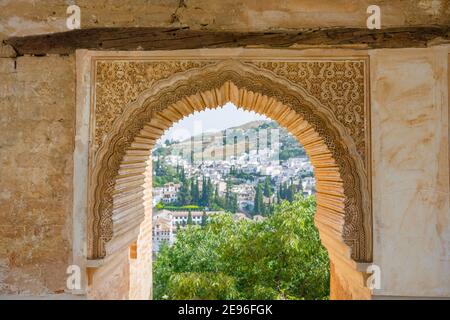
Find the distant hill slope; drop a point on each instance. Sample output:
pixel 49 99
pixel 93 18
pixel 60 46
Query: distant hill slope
pixel 212 142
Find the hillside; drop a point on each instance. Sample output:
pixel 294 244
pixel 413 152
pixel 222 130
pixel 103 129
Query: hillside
pixel 212 143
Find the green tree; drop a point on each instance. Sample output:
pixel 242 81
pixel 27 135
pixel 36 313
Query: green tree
pixel 218 200
pixel 194 191
pixel 234 207
pixel 181 173
pixel 258 207
pixel 267 188
pixel 279 194
pixel 204 197
pixel 284 191
pixel 201 286
pixel 300 186
pixel 209 193
pixel 158 167
pixel 163 173
pixel 184 195
pixel 280 257
pixel 204 219
pixel 228 195
pixel 291 191
pixel 189 221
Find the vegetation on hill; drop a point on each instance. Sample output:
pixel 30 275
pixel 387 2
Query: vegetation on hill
pixel 163 173
pixel 213 142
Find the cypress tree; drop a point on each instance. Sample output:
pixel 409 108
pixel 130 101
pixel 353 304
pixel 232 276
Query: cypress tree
pixel 267 188
pixel 158 167
pixel 291 193
pixel 209 193
pixel 234 204
pixel 220 201
pixel 258 202
pixel 284 192
pixel 204 219
pixel 181 174
pixel 279 194
pixel 184 194
pixel 194 191
pixel 228 195
pixel 300 185
pixel 204 197
pixel 189 219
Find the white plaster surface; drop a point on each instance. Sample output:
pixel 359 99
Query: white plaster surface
pixel 410 171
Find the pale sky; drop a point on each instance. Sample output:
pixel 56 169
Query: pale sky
pixel 210 121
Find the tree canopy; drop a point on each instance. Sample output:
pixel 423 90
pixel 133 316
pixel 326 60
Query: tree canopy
pixel 280 257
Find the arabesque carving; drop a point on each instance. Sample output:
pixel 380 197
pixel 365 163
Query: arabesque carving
pixel 120 82
pixel 338 85
pixel 323 103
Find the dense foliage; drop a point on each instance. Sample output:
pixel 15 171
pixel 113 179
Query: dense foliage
pixel 163 173
pixel 280 257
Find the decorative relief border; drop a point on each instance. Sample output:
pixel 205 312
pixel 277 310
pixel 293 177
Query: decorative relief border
pixel 340 85
pixel 337 85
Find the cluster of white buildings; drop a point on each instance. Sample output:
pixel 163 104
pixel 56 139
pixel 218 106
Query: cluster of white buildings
pixel 294 170
pixel 162 231
pixel 245 196
pixel 167 194
pixel 256 163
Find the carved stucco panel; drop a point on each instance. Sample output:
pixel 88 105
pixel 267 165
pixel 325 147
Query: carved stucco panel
pixel 118 83
pixel 337 85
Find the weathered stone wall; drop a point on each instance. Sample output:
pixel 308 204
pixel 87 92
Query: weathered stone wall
pixel 26 17
pixel 37 98
pixel 410 150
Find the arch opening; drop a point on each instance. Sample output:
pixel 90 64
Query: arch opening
pixel 218 176
pixel 121 203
